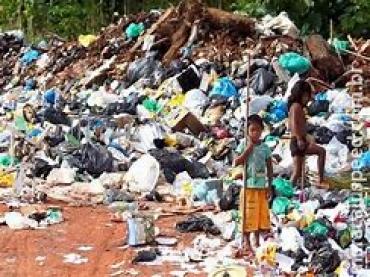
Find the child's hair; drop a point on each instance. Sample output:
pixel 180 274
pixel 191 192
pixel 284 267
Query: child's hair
pixel 255 119
pixel 299 89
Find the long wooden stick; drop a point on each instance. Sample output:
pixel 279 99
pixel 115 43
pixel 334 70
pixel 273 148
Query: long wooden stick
pixel 245 174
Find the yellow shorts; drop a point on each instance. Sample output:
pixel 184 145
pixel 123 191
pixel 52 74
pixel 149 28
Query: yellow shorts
pixel 256 212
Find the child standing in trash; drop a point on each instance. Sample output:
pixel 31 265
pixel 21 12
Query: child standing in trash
pixel 300 145
pixel 256 159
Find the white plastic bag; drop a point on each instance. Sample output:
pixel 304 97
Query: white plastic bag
pixel 61 176
pixel 143 174
pixel 259 103
pixel 341 101
pixel 337 158
pixel 195 101
pixel 181 179
pixel 290 239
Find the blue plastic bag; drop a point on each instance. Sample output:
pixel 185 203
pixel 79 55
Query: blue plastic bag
pixel 277 111
pixel 51 96
pixel 321 96
pixel 294 62
pixel 30 56
pixel 200 191
pixel 363 162
pixel 34 133
pixel 224 87
pixel 30 84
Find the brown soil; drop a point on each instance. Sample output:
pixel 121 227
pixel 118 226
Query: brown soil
pixel 82 226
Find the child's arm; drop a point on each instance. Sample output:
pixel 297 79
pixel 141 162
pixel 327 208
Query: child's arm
pixel 244 156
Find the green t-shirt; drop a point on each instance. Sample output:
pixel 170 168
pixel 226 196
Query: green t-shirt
pixel 255 170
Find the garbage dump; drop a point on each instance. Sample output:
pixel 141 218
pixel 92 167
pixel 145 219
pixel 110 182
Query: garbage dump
pixel 153 110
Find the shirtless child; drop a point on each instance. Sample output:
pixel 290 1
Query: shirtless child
pixel 299 145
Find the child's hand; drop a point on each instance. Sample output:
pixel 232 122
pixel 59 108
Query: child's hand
pixel 268 193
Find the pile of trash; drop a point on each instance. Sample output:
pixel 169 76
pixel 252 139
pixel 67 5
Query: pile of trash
pixel 153 109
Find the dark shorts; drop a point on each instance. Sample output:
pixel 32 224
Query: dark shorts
pixel 295 150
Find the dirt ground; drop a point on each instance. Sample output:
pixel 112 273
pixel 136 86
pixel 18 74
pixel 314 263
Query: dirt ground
pixel 83 226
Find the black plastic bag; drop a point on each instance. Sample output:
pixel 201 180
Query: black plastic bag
pixel 313 242
pixel 345 137
pixel 142 68
pixel 145 256
pixel 188 79
pixel 262 80
pixel 328 204
pixel 323 135
pixel 230 198
pixel 41 168
pixel 56 116
pixel 173 163
pixel 96 159
pixel 325 260
pixel 318 106
pixel 197 170
pixel 198 224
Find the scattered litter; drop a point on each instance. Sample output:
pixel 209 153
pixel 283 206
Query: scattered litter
pixel 74 258
pixel 85 248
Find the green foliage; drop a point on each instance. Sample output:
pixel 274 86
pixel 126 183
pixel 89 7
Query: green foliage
pixel 348 16
pixel 69 18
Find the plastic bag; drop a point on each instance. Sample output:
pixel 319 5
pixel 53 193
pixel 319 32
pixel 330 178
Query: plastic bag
pixel 322 135
pixel 283 187
pixel 318 106
pixel 317 228
pixel 325 260
pixel 56 116
pixel 224 87
pixel 7 160
pixel 189 79
pixel 363 162
pixel 30 56
pixel 280 205
pixel 143 174
pixel 173 163
pixel 230 198
pixel 294 62
pixel 282 23
pixel 262 80
pixel 142 68
pixel 259 103
pixel 337 156
pixel 198 224
pixel 51 96
pixel 277 111
pixel 61 176
pixel 341 45
pixel 86 40
pixel 152 105
pixel 344 238
pixel 134 30
pixel 182 181
pixel 96 159
pixel 195 101
pixel 6 179
pixel 341 101
pixel 290 238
